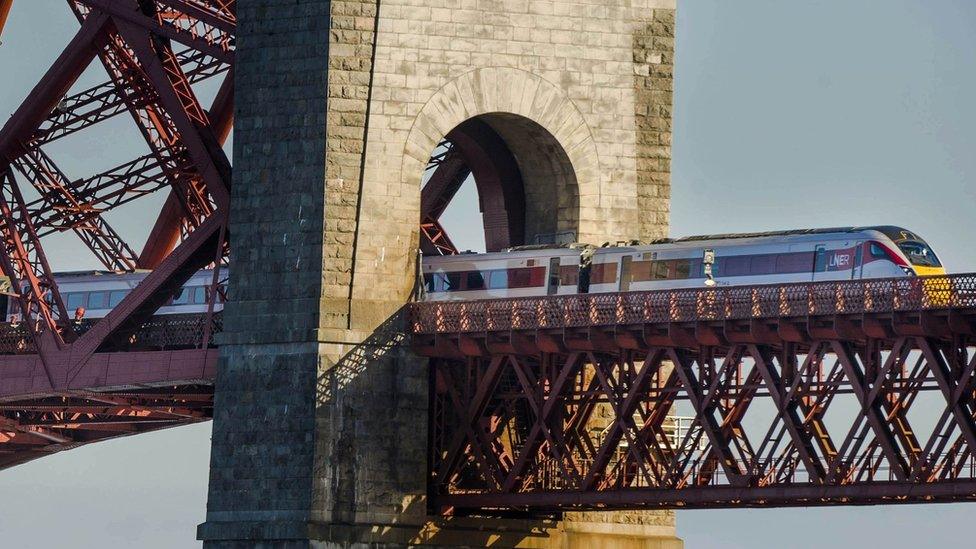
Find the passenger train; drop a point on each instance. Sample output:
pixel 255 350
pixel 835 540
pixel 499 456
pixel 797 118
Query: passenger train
pixel 93 294
pixel 693 262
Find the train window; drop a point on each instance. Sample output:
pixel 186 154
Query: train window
pixel 682 269
pixel 603 273
pixel 498 280
pixel 451 282
pixel 736 265
pixel 116 297
pixel 800 262
pixel 75 300
pixel 762 265
pixel 98 300
pixel 534 277
pixel 200 295
pixel 443 282
pixel 474 281
pixel 569 275
pixel 660 270
pixel 877 252
pixel 640 271
pixel 820 262
pixel 919 254
pixel 181 296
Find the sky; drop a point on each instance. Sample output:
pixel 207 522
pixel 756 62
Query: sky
pixel 787 115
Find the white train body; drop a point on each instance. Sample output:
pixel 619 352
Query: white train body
pixel 98 292
pixel 520 273
pixel 734 260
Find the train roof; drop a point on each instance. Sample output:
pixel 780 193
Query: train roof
pixel 76 274
pixel 522 252
pixel 98 274
pixel 891 231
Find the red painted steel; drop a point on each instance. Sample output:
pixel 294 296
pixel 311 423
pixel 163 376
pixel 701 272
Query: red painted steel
pixel 474 149
pixel 808 394
pixel 501 195
pixel 717 304
pixel 35 427
pixel 154 53
pixel 803 394
pixel 5 6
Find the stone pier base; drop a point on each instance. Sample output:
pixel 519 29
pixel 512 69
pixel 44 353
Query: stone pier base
pixel 576 531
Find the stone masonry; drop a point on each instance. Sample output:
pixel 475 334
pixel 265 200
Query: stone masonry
pixel 320 414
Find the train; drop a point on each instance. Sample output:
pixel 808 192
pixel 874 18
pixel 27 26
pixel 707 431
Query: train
pixel 93 294
pixel 779 257
pixel 698 261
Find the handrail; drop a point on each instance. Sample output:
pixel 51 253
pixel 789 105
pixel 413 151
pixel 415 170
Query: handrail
pixel 696 304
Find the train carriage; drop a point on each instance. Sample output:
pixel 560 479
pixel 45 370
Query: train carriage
pixel 531 271
pixel 93 294
pixel 781 257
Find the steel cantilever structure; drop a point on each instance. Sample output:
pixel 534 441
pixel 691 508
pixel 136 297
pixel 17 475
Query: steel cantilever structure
pixel 806 394
pixel 64 383
pixel 70 383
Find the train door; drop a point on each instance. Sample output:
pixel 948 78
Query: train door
pixel 819 262
pixel 553 285
pixel 626 268
pixel 858 269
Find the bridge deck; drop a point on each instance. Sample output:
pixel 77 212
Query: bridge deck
pixel 161 377
pixel 803 394
pixel 870 300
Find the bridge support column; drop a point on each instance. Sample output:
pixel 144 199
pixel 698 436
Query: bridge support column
pixel 320 422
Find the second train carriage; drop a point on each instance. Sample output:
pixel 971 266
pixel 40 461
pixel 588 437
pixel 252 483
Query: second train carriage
pixel 724 260
pixel 93 294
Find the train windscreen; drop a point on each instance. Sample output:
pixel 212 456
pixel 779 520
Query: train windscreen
pixel 919 253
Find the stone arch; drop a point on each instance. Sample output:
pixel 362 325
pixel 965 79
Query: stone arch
pixel 543 129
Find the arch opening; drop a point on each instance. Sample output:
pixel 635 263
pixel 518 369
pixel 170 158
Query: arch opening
pixel 526 185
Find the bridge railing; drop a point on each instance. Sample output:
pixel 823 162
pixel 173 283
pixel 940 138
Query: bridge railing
pixel 185 331
pixel 697 304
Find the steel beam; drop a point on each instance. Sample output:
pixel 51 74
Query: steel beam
pixel 628 461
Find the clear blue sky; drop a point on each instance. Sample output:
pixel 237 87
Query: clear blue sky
pixel 788 114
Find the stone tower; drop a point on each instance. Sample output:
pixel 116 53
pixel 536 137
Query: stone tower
pixel 320 413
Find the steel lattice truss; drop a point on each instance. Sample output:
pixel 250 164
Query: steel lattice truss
pixel 869 397
pixel 153 52
pixel 34 427
pixel 445 173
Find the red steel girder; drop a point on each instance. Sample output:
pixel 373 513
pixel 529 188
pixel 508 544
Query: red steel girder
pixel 193 23
pixel 4 12
pixel 74 365
pixel 102 102
pixel 447 171
pixel 58 195
pixel 35 427
pixel 790 463
pixel 474 148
